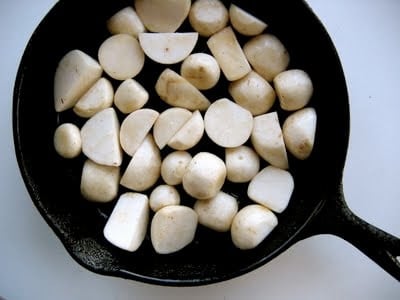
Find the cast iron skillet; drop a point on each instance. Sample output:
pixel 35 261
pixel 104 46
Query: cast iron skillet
pixel 317 205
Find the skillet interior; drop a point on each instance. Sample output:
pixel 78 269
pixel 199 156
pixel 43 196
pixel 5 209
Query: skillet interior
pixel 53 182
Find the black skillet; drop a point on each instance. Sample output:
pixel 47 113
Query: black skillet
pixel 317 205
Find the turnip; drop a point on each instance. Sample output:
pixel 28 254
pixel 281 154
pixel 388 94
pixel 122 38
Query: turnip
pixel 174 165
pixel 208 16
pixel 204 176
pixel 99 183
pixel 267 55
pixel 144 168
pixel 126 21
pixel 130 96
pixel 251 225
pixel 173 227
pixel 168 47
pixel 100 138
pixel 97 98
pixel 244 22
pixel 67 140
pixel 127 225
pixel 121 56
pixel 75 74
pixel 228 124
pixel 177 91
pixel 217 212
pixel 271 187
pixel 162 15
pixel 226 49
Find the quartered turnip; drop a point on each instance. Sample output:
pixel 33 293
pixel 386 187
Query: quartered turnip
pixel 272 187
pixel 299 132
pixel 244 22
pixel 130 96
pixel 75 74
pixel 172 228
pixel 177 91
pixel 127 225
pixel 168 47
pixel 226 49
pixel 144 169
pixel 99 183
pixel 97 98
pixel 189 134
pixel 208 16
pixel 251 225
pixel 267 140
pixel 135 127
pixel 125 21
pixel 168 124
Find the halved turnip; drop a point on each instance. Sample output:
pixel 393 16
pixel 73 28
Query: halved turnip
pixel 126 21
pixel 174 165
pixel 97 98
pixel 99 183
pixel 135 127
pixel 267 140
pixel 244 22
pixel 228 124
pixel 168 124
pixel 253 93
pixel 172 228
pixel 201 70
pixel 177 91
pixel 144 168
pixel 162 15
pixel 272 187
pixel 121 56
pixel 67 140
pixel 267 55
pixel 251 225
pixel 208 16
pixel 75 74
pixel 299 132
pixel 127 225
pixel 226 49
pixel 217 212
pixel 100 138
pixel 189 134
pixel 130 96
pixel 204 176
pixel 168 47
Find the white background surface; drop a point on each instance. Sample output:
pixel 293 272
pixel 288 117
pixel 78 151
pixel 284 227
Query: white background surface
pixel 34 264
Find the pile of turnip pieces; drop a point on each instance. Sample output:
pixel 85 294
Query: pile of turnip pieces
pixel 242 124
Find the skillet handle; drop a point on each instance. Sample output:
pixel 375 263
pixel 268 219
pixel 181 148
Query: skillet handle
pixel 335 217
